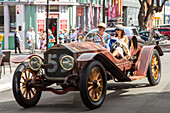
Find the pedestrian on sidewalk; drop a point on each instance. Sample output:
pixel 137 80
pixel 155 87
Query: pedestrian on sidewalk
pixel 29 38
pixel 66 36
pixel 61 37
pixel 80 35
pixel 50 38
pixel 42 38
pixel 33 40
pixel 87 30
pixel 17 39
pixel 73 36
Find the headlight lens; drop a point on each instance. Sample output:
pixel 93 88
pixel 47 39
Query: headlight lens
pixel 35 63
pixel 67 62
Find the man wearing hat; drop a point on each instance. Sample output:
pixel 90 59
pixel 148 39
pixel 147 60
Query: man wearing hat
pixel 31 39
pixel 17 41
pixel 105 36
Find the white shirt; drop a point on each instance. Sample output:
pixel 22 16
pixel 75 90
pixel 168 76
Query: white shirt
pixel 29 35
pixel 73 36
pixel 33 36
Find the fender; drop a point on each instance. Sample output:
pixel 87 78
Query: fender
pixel 22 58
pixel 143 61
pixel 107 63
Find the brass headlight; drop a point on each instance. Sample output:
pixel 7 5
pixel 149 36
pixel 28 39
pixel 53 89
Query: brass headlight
pixel 35 63
pixel 67 62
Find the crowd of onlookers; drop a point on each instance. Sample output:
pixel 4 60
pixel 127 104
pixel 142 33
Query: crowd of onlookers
pixel 64 36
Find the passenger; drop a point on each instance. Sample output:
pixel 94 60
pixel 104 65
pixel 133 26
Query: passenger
pixel 105 36
pixel 122 41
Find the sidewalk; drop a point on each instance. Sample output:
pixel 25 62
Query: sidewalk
pixel 6 80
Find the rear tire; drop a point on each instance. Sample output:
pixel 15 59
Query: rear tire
pixel 154 69
pixel 93 84
pixel 24 95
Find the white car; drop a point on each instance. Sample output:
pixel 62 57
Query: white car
pixel 111 31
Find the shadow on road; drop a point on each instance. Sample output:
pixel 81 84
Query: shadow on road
pixel 115 101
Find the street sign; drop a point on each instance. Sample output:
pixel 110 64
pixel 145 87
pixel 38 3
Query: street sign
pixel 63 24
pixel 80 11
pixel 40 24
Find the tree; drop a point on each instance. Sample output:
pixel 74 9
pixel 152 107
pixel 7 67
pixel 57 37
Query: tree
pixel 152 6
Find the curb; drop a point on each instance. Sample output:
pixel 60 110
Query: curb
pixel 6 86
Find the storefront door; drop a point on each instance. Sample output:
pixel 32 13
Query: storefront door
pixel 52 23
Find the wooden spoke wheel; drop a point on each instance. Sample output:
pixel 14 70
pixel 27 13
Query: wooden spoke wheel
pixel 24 93
pixel 93 84
pixel 27 91
pixel 154 69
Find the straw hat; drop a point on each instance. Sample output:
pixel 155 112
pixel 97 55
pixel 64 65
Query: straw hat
pixel 101 24
pixel 119 28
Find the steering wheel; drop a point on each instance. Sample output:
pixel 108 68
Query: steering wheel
pixel 93 37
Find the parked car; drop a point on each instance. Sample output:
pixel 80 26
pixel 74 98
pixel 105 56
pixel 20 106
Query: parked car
pixel 132 31
pixel 164 31
pixel 145 35
pixel 84 67
pixel 159 39
pixel 163 26
pixel 139 28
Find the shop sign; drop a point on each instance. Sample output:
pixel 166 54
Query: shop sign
pixel 63 24
pixel 156 17
pixel 80 11
pixel 40 24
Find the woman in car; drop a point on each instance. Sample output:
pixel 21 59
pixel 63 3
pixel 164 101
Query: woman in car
pixel 122 41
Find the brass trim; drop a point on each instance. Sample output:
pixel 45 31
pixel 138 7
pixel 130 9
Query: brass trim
pixel 72 59
pixel 40 61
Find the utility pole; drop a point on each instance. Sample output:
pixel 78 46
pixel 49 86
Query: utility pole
pixel 104 11
pixel 47 25
pixel 164 14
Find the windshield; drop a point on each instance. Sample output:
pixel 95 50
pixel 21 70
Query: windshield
pixel 131 32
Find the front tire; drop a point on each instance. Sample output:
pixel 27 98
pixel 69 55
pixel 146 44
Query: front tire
pixel 154 69
pixel 93 84
pixel 25 95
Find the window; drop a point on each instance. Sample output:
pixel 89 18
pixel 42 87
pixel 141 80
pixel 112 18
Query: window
pixel 1 19
pixel 52 8
pixel 12 12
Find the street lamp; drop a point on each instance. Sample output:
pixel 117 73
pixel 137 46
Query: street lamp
pixel 47 25
pixel 104 11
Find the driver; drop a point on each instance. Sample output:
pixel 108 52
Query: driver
pixel 105 36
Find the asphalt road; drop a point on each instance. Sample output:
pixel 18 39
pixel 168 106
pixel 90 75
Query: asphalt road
pixel 133 97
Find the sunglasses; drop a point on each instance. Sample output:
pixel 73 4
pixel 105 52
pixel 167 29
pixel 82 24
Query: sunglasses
pixel 100 27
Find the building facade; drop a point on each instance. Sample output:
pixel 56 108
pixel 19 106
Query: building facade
pixel 24 14
pixel 167 13
pixel 130 12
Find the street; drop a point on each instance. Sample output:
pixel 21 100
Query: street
pixel 133 97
